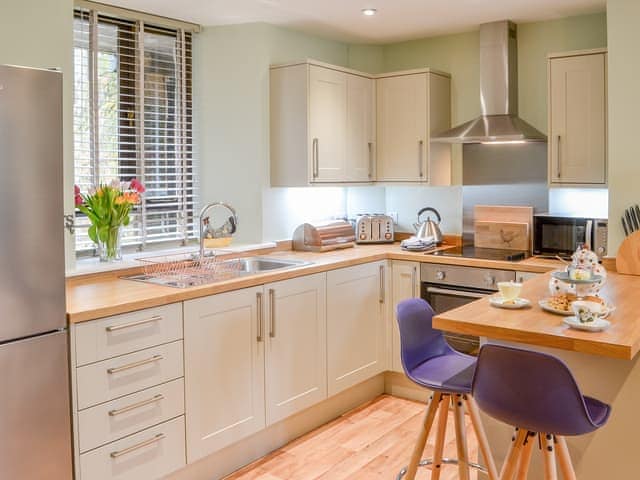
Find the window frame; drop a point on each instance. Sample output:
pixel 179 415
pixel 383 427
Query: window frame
pixel 132 134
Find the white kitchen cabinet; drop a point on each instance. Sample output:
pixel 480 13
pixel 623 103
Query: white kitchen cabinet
pixel 405 283
pixel 356 324
pixel 578 118
pixel 322 122
pixel 224 370
pixel 410 108
pixel 295 343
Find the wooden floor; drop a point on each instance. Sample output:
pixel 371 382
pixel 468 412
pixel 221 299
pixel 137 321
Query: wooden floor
pixel 372 442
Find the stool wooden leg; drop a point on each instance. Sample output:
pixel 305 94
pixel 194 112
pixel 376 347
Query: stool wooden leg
pixel 562 452
pixel 422 437
pixel 483 442
pixel 441 429
pixel 461 438
pixel 525 456
pixel 511 460
pixel 549 457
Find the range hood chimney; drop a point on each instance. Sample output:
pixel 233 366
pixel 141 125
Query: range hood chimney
pixel 499 122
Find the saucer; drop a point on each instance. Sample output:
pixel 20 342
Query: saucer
pixel 510 304
pixel 598 325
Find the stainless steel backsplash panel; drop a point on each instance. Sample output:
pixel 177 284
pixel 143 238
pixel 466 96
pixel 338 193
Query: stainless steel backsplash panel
pixel 503 175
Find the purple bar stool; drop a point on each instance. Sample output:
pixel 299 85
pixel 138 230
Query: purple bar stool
pixel 537 394
pixel 429 361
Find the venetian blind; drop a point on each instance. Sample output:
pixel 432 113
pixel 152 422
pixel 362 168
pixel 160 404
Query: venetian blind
pixel 133 119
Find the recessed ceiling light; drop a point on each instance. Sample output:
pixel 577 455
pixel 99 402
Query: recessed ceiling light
pixel 369 12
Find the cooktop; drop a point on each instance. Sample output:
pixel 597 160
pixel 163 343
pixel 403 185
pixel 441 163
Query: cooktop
pixel 470 251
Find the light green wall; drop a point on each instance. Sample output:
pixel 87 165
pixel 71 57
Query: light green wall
pixel 535 41
pixel 38 33
pixel 366 58
pixel 624 104
pixel 459 56
pixel 231 73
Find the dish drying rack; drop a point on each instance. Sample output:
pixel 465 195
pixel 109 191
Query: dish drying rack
pixel 189 270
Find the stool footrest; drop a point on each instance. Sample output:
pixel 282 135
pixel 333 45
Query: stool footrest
pixel 446 461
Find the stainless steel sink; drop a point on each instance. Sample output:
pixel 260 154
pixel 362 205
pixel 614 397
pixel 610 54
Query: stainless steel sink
pixel 252 265
pixel 187 272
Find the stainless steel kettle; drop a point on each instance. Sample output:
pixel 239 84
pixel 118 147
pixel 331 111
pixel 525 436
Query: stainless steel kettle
pixel 429 228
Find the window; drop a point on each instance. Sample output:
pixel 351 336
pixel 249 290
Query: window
pixel 133 118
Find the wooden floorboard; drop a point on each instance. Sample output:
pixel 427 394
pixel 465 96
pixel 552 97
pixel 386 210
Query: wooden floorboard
pixel 372 442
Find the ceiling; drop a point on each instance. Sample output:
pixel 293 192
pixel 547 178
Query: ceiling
pixel 342 20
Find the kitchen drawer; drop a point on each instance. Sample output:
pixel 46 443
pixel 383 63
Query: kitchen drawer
pixel 112 336
pixel 116 377
pixel 121 417
pixel 150 454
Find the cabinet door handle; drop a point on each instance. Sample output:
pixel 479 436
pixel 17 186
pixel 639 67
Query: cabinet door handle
pixel 139 363
pixel 414 277
pixel 137 446
pixel 122 326
pixel 558 173
pixel 133 406
pixel 260 319
pixel 315 157
pixel 370 146
pixel 381 297
pixel 420 151
pixel 272 313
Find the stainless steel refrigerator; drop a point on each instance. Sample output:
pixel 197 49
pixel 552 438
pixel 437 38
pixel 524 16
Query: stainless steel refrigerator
pixel 35 424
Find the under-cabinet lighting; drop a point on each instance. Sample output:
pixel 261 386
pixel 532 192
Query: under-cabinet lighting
pixel 504 142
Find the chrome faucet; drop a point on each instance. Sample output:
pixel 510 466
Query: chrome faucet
pixel 226 230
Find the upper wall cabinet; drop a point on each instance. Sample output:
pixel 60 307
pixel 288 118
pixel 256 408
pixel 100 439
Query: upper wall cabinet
pixel 322 125
pixel 578 118
pixel 410 107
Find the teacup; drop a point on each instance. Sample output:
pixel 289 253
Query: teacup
pixel 587 311
pixel 509 290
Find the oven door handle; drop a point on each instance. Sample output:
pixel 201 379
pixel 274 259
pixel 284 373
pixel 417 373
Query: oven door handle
pixel 457 293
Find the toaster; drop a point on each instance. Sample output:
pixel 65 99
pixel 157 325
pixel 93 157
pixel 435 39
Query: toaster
pixel 374 228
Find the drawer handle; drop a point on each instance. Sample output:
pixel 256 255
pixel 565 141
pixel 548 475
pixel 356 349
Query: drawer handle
pixel 139 363
pixel 115 328
pixel 156 398
pixel 137 446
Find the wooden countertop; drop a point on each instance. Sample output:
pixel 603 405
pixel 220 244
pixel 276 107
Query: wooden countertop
pixel 95 296
pixel 534 326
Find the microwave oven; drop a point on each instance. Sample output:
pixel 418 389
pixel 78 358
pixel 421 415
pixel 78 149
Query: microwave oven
pixel 555 235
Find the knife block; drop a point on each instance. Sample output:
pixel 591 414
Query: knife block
pixel 628 256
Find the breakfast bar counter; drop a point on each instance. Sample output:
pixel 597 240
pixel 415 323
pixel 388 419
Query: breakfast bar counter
pixel 605 365
pixel 534 326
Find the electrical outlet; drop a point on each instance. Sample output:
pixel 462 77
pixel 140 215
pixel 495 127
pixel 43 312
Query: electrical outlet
pixel 394 216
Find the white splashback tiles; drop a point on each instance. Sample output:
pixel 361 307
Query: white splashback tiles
pixel 580 202
pixel 283 209
pixel 408 200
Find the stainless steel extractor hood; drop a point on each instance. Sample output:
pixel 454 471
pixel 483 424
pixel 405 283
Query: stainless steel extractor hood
pixel 499 122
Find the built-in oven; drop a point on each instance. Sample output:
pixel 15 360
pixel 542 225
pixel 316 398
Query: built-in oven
pixel 556 235
pixel 446 287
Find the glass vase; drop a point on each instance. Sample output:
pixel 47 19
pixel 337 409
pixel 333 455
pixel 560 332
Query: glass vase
pixel 110 249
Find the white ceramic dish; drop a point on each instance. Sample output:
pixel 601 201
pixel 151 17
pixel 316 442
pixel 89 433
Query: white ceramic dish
pixel 509 304
pixel 598 325
pixel 544 304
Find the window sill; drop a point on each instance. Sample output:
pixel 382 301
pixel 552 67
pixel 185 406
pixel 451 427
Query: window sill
pixel 87 266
